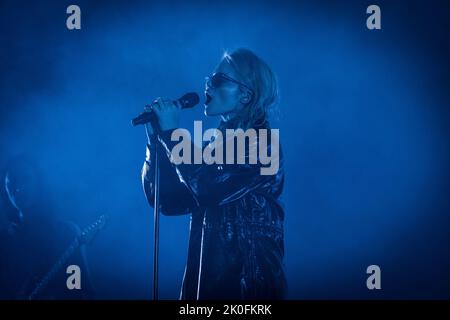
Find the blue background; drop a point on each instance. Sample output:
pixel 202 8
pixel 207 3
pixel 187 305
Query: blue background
pixel 363 118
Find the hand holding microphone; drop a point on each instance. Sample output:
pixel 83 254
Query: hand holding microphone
pixel 167 112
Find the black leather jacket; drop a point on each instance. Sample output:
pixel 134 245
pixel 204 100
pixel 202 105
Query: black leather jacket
pixel 236 243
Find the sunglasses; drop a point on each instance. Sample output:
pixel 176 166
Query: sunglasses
pixel 219 79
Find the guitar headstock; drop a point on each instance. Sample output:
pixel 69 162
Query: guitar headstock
pixel 91 231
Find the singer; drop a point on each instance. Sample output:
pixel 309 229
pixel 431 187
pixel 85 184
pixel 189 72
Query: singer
pixel 236 243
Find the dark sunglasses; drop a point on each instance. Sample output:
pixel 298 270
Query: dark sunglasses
pixel 218 79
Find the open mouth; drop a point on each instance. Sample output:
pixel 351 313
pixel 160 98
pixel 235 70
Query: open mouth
pixel 208 98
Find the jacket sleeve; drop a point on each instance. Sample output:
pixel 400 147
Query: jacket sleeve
pixel 217 184
pixel 174 197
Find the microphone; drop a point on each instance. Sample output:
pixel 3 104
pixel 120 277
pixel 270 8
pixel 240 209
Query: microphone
pixel 189 100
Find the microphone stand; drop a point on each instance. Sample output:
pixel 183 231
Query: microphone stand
pixel 186 101
pixel 156 129
pixel 156 227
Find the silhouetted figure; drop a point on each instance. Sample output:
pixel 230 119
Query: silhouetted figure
pixel 34 240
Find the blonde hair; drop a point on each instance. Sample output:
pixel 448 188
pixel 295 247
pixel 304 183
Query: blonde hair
pixel 256 74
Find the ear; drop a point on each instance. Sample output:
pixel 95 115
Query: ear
pixel 245 97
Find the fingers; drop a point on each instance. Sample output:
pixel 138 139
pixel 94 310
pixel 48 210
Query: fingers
pixel 162 105
pixel 167 113
pixel 165 103
pixel 156 105
pixel 148 108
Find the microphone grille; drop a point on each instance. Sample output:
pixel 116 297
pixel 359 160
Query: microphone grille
pixel 189 100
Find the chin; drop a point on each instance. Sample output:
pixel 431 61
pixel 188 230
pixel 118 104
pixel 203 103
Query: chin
pixel 209 111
